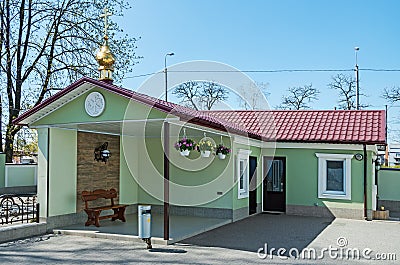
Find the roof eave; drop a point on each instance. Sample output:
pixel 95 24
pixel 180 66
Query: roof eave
pixel 377 142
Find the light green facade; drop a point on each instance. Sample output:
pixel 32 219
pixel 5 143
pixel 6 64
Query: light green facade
pixel 62 171
pixel 195 181
pixel 389 184
pixel 42 173
pixel 128 189
pixel 57 171
pixel 188 187
pixel 74 111
pixel 117 109
pixel 302 179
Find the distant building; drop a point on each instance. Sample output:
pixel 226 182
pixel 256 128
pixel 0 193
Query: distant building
pixel 394 154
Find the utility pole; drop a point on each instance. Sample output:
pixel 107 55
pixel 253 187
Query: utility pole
pixel 387 145
pixel 356 49
pixel 166 76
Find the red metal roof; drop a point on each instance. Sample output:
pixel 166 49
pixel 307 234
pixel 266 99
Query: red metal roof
pixel 328 126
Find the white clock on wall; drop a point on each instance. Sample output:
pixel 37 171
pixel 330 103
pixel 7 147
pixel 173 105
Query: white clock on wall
pixel 95 104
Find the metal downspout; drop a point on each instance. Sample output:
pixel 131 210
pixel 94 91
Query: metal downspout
pixel 365 181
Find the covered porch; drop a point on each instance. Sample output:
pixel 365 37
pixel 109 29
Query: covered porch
pixel 181 227
pixel 144 168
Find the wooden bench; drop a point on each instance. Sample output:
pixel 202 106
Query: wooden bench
pixel 94 212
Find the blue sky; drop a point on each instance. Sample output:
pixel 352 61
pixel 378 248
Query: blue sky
pixel 270 35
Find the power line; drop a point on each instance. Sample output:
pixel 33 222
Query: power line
pixel 380 70
pixel 143 75
pixel 265 71
pixel 262 71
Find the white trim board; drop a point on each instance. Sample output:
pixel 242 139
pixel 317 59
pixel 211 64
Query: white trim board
pixel 358 147
pixel 247 141
pixel 243 155
pixel 53 106
pixel 286 145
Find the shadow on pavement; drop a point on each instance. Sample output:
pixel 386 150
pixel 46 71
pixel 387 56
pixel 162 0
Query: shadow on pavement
pixel 250 234
pixel 168 250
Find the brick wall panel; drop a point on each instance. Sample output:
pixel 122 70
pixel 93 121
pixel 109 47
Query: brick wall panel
pixel 96 175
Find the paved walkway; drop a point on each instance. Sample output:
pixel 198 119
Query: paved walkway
pixel 235 243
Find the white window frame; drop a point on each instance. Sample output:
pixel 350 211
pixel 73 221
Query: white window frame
pixel 243 155
pixel 323 193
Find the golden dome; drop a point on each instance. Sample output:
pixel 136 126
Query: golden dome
pixel 106 61
pixel 104 57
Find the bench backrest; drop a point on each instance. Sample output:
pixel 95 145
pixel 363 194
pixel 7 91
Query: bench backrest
pixel 97 194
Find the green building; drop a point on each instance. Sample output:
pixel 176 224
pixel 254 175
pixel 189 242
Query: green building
pixel 315 163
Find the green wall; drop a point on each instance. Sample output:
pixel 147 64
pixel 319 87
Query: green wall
pixel 63 171
pixel 117 108
pixel 198 181
pixel 2 169
pixel 302 178
pixel 21 175
pixel 389 184
pixel 195 181
pixel 42 170
pixel 128 187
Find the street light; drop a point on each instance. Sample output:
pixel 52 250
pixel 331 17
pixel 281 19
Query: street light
pixel 356 49
pixel 165 71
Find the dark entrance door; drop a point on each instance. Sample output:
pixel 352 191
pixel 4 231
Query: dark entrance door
pixel 274 197
pixel 252 185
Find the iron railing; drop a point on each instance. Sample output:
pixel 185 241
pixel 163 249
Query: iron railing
pixel 18 208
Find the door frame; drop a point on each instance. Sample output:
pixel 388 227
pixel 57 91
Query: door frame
pixel 262 180
pixel 255 175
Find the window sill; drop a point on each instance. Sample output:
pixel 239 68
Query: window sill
pixel 335 196
pixel 243 195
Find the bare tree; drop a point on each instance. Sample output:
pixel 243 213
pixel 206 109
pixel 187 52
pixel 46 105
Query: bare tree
pixel 46 44
pixel 346 86
pixel 212 93
pixel 392 94
pixel 251 96
pixel 299 97
pixel 189 94
pixel 200 95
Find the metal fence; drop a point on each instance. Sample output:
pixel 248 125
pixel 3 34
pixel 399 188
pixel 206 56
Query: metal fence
pixel 21 208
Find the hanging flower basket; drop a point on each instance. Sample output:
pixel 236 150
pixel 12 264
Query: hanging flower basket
pixel 206 146
pixel 185 153
pixel 222 151
pixel 185 145
pixel 205 153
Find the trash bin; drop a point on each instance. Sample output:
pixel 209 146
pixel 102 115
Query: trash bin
pixel 144 223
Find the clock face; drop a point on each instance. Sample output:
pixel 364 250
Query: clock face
pixel 95 104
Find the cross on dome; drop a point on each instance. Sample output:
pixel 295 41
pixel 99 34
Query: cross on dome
pixel 105 15
pixel 105 57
